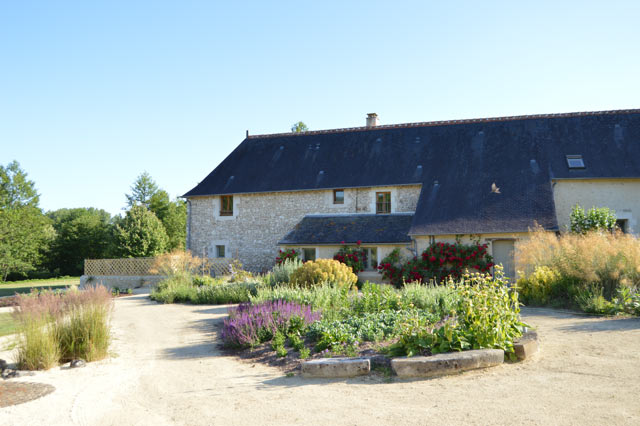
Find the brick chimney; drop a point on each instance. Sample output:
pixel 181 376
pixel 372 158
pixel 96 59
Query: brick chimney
pixel 372 119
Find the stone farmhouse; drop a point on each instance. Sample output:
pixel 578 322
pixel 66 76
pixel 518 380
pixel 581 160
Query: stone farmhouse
pixel 407 185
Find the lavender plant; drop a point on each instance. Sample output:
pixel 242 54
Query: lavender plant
pixel 249 325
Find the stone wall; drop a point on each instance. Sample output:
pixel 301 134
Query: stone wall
pixel 621 195
pixel 260 220
pixel 121 282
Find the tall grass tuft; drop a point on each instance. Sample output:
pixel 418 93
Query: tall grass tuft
pixel 57 327
pixel 563 268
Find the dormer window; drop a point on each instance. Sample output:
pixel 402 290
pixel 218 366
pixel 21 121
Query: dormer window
pixel 226 205
pixel 383 202
pixel 575 162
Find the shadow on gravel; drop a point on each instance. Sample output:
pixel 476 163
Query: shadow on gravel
pixel 527 311
pixel 216 310
pixel 200 350
pixel 298 381
pixel 604 324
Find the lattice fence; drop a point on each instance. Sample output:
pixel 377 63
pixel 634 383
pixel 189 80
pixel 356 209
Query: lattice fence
pixel 142 266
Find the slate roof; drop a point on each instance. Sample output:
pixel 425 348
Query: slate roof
pixel 456 162
pixel 368 228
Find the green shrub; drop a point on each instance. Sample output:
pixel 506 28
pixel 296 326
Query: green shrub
pixel 593 302
pixel 224 294
pixel 627 301
pixel 371 327
pixel 596 219
pixel 282 272
pixel 198 290
pixel 436 299
pixel 204 280
pixel 537 288
pixel 305 353
pixel 375 298
pixel 487 316
pixel 321 271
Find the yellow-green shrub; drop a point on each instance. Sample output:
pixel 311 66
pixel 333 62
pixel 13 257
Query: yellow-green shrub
pixel 314 273
pixel 536 288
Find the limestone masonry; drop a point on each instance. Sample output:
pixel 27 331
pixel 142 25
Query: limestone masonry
pixel 260 220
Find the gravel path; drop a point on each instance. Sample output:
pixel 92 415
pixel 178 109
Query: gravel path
pixel 166 369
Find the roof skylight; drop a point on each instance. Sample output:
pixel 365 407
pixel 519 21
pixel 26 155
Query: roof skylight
pixel 575 162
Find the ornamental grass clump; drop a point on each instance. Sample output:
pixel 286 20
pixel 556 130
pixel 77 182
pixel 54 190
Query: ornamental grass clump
pixel 56 327
pixel 569 269
pixel 314 273
pixel 249 325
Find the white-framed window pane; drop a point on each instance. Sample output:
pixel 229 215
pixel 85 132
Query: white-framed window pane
pixel 309 253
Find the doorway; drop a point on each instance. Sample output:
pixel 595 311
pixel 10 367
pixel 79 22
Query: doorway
pixel 503 253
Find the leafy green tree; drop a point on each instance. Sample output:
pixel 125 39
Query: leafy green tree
pixel 25 232
pixel 140 234
pixel 299 127
pixel 172 214
pixel 142 190
pixel 82 233
pixel 596 219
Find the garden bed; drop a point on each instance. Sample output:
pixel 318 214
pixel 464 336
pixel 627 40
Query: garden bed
pixel 286 325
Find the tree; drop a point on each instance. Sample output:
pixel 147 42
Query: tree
pixel 25 232
pixel 140 234
pixel 142 190
pixel 299 127
pixel 83 233
pixel 15 189
pixel 172 214
pixel 596 219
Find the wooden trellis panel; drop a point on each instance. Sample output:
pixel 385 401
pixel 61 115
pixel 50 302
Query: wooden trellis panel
pixel 219 267
pixel 142 266
pixel 127 267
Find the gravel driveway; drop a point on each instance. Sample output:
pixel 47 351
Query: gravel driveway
pixel 166 369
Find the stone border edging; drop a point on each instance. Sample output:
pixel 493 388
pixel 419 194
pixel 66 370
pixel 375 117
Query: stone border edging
pixel 447 363
pixel 526 345
pixel 336 367
pixel 422 366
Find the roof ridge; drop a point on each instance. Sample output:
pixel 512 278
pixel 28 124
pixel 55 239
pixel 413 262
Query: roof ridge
pixel 449 122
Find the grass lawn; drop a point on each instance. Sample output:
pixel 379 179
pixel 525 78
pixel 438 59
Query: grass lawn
pixel 9 288
pixel 7 325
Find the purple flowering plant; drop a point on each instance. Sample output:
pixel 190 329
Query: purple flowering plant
pixel 251 324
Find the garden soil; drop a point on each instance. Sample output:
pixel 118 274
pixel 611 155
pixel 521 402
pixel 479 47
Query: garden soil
pixel 166 369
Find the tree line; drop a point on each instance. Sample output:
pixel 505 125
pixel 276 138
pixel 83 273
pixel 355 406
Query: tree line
pixel 38 244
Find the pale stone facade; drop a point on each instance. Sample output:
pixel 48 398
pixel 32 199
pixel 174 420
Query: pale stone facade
pixel 621 195
pixel 260 220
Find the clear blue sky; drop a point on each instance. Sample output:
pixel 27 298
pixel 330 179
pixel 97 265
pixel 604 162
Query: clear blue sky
pixel 94 93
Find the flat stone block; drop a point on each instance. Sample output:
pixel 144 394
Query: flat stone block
pixel 526 346
pixel 449 363
pixel 336 367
